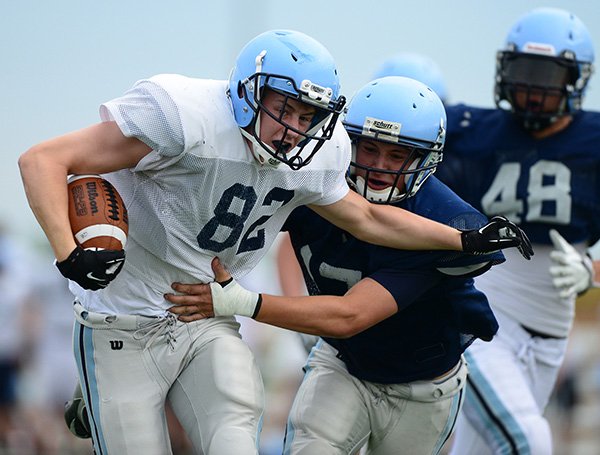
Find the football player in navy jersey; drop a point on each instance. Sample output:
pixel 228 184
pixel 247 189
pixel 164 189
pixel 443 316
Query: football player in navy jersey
pixel 388 371
pixel 535 160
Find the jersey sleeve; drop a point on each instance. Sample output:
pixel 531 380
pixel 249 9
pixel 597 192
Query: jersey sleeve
pixel 406 285
pixel 439 203
pixel 335 157
pixel 337 192
pixel 148 113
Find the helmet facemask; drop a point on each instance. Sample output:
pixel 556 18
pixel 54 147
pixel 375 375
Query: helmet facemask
pixel 420 162
pixel 398 128
pixel 321 127
pixel 539 89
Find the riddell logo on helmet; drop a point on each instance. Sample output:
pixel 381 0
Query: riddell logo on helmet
pixel 539 48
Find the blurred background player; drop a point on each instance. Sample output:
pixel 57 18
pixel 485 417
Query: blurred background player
pixel 395 323
pixel 15 338
pixel 535 160
pixel 50 374
pixel 418 67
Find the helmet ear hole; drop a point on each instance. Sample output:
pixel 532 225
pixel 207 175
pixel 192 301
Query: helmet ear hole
pixel 240 90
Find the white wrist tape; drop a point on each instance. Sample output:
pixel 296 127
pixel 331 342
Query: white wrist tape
pixel 233 299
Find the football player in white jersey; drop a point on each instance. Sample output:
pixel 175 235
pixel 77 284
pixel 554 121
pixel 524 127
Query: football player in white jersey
pixel 533 159
pixel 205 168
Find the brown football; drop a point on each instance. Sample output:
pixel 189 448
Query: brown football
pixel 97 213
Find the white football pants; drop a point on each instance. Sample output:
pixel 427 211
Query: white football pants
pixel 510 382
pixel 336 413
pixel 129 365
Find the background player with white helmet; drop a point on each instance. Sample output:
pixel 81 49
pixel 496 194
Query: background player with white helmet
pixel 388 371
pixel 200 180
pixel 534 160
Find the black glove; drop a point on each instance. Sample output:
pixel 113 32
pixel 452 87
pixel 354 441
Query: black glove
pixel 92 269
pixel 497 234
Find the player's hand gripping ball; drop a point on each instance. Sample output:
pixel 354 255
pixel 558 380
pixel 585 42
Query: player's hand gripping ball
pixel 99 223
pixel 97 213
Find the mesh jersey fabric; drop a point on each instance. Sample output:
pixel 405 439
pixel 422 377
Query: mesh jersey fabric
pixel 199 193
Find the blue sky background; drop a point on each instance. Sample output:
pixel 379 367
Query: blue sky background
pixel 60 59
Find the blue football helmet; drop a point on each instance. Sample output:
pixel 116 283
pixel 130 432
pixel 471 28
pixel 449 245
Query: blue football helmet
pixel 298 67
pixel 403 111
pixel 548 52
pixel 415 66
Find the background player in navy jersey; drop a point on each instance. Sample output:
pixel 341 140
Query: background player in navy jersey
pixel 535 160
pixel 388 371
pixel 205 168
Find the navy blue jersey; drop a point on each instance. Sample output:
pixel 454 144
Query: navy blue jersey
pixel 493 163
pixel 439 314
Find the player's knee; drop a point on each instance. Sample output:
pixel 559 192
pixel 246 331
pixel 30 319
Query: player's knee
pixel 316 438
pixel 533 438
pixel 229 440
pixel 236 372
pixel 538 435
pixel 312 447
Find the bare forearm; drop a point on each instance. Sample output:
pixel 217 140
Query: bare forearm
pixel 97 149
pixel 389 226
pixel 45 187
pixel 322 315
pixel 397 228
pixel 363 306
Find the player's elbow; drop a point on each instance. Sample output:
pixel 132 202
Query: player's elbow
pixel 26 161
pixel 31 161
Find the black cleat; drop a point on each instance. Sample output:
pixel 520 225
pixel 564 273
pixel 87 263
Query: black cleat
pixel 76 416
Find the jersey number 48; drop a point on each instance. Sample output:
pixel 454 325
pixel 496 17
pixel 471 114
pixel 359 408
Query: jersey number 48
pixel 548 181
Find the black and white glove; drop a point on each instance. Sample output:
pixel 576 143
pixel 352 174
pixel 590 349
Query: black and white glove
pixel 572 272
pixel 229 298
pixel 499 233
pixel 91 269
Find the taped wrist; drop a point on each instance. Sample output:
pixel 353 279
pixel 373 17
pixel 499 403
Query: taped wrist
pixel 229 299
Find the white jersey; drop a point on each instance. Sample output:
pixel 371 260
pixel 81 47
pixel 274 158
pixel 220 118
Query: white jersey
pixel 200 193
pixel 532 302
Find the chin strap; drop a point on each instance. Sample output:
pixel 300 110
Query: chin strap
pixel 258 151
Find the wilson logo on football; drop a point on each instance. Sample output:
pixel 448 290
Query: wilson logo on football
pixel 97 213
